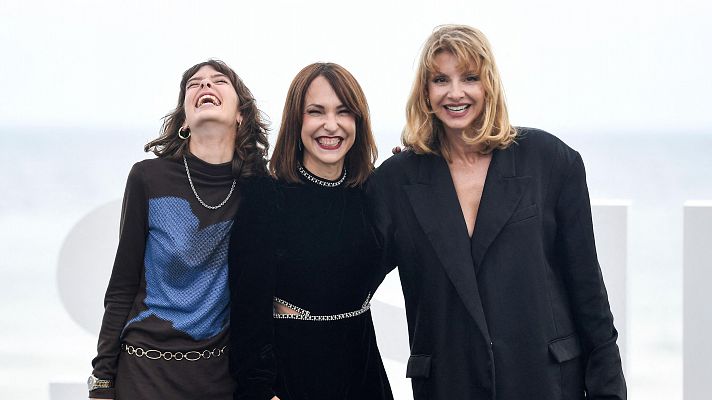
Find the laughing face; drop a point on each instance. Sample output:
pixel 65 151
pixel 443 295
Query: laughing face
pixel 210 97
pixel 456 96
pixel 328 130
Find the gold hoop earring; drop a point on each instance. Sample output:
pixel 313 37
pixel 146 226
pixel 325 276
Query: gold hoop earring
pixel 184 133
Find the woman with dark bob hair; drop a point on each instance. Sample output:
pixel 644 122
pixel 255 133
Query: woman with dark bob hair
pixel 303 257
pixel 165 329
pixel 490 228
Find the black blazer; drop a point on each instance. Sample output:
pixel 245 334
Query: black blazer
pixel 519 311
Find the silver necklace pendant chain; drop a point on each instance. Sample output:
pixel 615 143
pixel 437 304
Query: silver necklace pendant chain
pixel 319 181
pixel 190 180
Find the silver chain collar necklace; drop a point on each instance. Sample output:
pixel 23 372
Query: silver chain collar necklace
pixel 187 171
pixel 319 181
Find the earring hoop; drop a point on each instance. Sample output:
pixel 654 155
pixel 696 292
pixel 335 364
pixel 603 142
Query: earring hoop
pixel 182 133
pixel 299 144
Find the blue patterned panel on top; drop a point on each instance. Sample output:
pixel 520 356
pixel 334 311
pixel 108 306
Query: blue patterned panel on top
pixel 186 269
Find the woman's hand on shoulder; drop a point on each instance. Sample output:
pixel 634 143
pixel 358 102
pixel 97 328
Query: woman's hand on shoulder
pixel 399 149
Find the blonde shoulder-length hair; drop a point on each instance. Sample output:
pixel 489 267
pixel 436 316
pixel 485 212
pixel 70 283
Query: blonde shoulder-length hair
pixel 423 131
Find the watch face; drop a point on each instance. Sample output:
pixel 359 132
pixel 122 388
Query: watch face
pixel 95 383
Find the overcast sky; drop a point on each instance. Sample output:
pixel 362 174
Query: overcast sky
pixel 611 65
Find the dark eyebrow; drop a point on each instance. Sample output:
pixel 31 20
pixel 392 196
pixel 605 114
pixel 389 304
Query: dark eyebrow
pixel 197 78
pixel 314 105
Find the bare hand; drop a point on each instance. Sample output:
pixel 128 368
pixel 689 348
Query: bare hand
pixel 275 398
pixel 396 150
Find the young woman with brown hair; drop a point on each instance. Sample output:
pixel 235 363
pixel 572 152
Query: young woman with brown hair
pixel 165 329
pixel 303 257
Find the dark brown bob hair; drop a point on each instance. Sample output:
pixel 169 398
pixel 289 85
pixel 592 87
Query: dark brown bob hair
pixel 251 143
pixel 362 155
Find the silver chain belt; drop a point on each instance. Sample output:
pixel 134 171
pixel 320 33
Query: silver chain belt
pixel 153 354
pixel 305 315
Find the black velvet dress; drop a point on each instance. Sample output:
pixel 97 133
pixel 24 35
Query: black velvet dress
pixel 310 248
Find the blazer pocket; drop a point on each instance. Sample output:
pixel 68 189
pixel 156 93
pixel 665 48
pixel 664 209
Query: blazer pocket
pixel 566 348
pixel 527 212
pixel 418 366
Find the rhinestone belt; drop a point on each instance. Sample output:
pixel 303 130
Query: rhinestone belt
pixel 305 315
pixel 153 354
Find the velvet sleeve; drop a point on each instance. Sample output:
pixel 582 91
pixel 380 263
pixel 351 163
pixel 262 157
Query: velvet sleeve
pixel 125 279
pixel 380 218
pixel 252 273
pixel 576 251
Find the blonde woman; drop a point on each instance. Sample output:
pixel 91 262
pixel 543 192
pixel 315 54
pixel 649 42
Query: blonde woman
pixel 490 227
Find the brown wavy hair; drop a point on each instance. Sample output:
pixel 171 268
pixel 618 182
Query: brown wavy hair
pixel 251 143
pixel 362 155
pixel 424 132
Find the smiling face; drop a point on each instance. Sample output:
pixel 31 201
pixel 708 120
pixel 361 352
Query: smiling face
pixel 210 97
pixel 456 96
pixel 328 129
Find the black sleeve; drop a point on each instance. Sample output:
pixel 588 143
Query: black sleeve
pixel 381 220
pixel 252 273
pixel 125 279
pixel 576 251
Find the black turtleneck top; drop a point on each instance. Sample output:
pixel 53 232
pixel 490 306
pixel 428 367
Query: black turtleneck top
pixel 312 248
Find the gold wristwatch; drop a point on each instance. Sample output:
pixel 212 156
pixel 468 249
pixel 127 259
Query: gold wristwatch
pixel 95 383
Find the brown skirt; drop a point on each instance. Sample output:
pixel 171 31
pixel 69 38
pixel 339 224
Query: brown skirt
pixel 141 378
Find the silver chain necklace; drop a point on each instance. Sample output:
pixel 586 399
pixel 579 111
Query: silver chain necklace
pixel 318 180
pixel 187 171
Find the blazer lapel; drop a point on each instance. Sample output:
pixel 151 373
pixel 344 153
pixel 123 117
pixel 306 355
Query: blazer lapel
pixel 502 192
pixel 437 210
